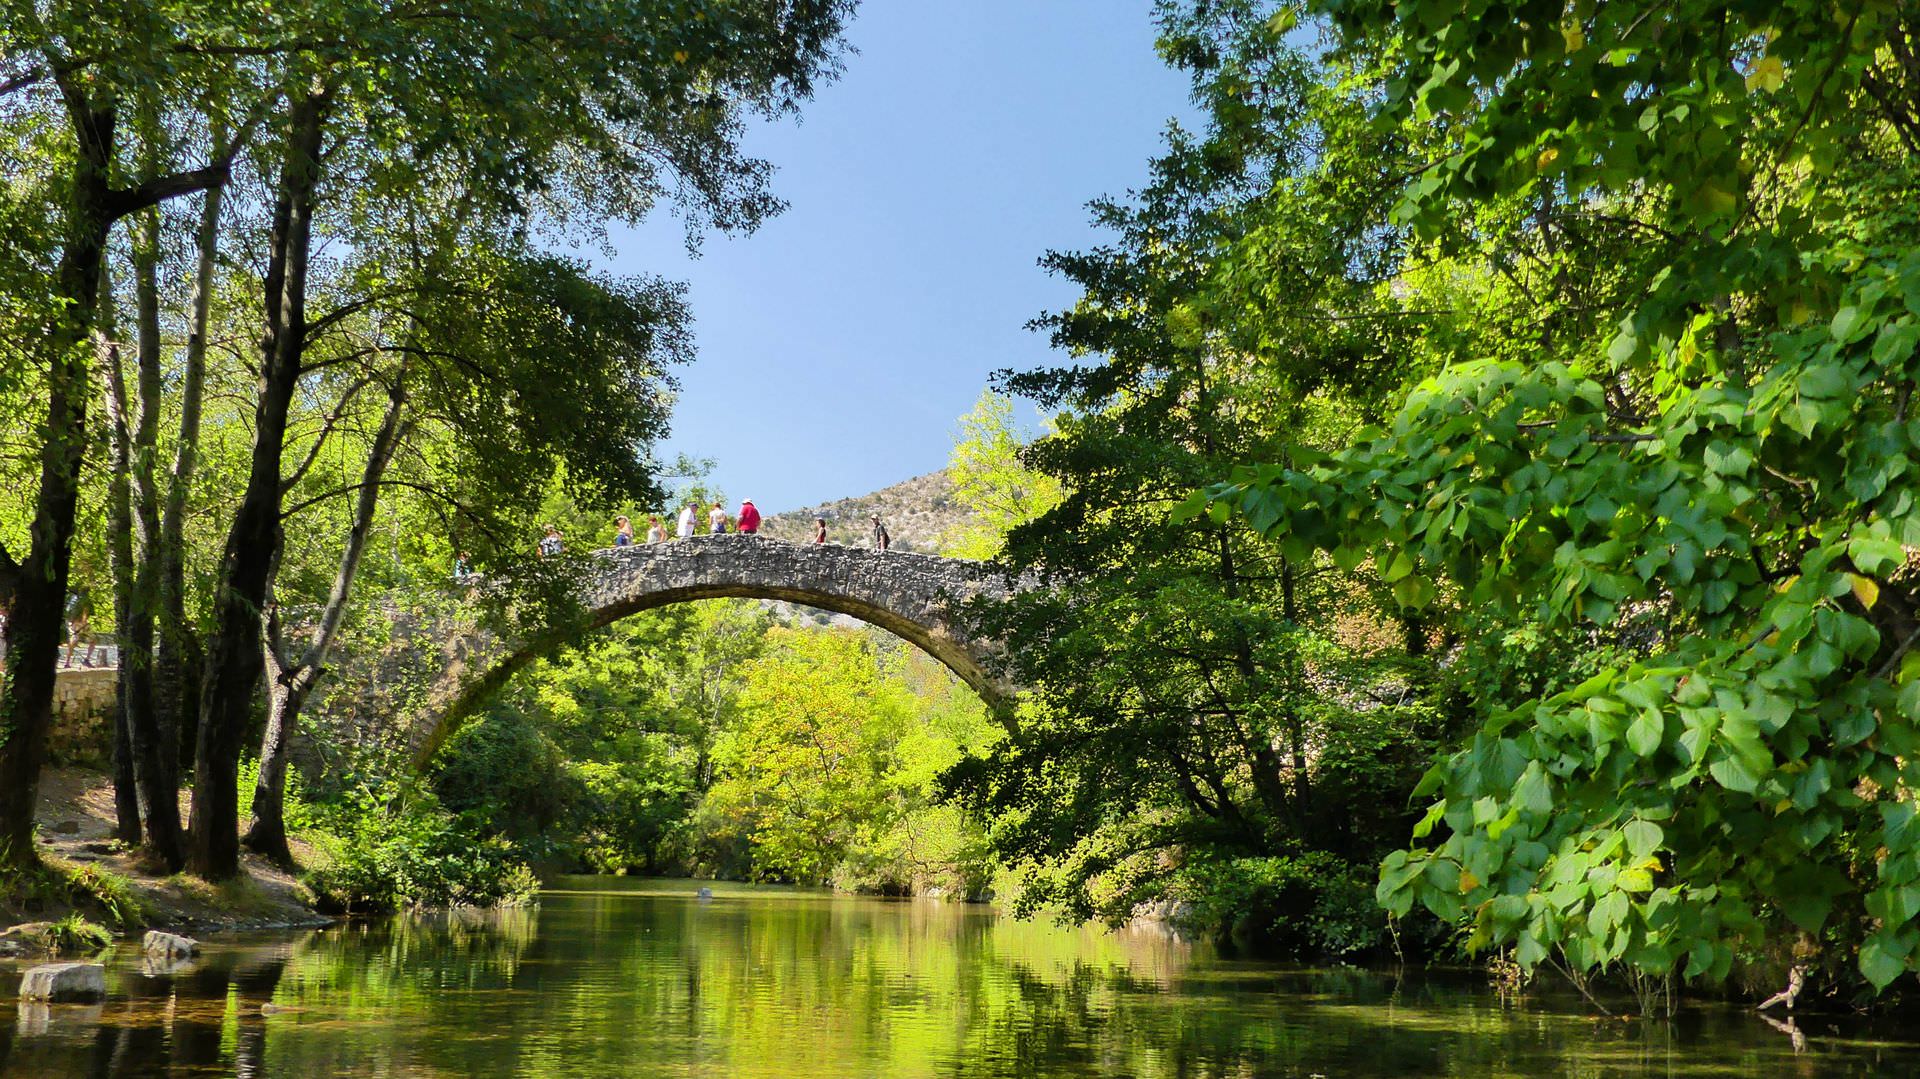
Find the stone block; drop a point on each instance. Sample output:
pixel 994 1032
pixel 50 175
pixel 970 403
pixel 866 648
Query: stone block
pixel 64 981
pixel 169 946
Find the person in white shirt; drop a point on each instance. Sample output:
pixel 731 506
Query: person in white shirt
pixel 684 528
pixel 717 519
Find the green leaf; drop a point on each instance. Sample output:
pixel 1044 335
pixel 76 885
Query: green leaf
pixel 1728 459
pixel 1625 345
pixel 1732 773
pixel 1848 324
pixel 1875 554
pixel 1534 793
pixel 1879 965
pixel 1646 732
pixel 1191 507
pixel 1414 593
pixel 1643 837
pixel 1398 566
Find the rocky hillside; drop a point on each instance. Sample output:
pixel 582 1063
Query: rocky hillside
pixel 918 513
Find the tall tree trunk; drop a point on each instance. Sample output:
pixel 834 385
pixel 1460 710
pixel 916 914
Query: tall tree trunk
pixel 171 658
pixel 126 791
pixel 233 665
pixel 126 782
pixel 38 585
pixel 153 753
pixel 289 684
pixel 40 582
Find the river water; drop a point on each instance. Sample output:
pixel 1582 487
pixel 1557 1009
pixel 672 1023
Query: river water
pixel 623 977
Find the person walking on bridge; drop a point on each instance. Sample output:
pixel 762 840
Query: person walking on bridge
pixel 622 532
pixel 716 520
pixel 655 532
pixel 819 531
pixel 749 517
pixel 550 544
pixel 880 538
pixel 684 527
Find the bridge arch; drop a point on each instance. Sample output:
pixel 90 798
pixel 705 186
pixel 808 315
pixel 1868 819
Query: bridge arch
pixel 913 596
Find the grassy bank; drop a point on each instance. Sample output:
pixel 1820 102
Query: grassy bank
pixel 90 886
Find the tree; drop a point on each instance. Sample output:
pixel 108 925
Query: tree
pixel 574 367
pixel 75 66
pixel 489 98
pixel 804 773
pixel 999 492
pixel 1704 465
pixel 1206 707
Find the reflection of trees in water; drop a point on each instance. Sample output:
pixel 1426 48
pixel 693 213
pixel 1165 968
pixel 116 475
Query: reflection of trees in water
pixel 802 985
pixel 413 955
pixel 205 1014
pixel 211 1013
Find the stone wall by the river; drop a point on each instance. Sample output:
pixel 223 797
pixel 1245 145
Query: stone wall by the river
pixel 83 706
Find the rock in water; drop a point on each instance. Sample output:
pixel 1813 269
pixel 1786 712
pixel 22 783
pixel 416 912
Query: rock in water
pixel 169 946
pixel 64 981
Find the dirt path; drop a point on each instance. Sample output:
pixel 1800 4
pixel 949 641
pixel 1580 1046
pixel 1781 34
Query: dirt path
pixel 76 817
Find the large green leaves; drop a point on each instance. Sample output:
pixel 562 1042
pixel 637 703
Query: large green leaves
pixel 1703 473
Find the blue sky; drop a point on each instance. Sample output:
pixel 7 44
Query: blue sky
pixel 840 343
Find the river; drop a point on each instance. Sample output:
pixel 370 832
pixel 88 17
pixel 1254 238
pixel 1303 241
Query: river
pixel 624 977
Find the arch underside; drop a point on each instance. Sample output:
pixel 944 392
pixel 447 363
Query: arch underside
pixel 933 640
pixel 922 628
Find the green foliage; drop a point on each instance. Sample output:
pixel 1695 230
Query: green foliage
pixel 1654 436
pixel 390 845
pixel 999 492
pixel 103 890
pixel 422 154
pixel 73 933
pixel 596 759
pixel 57 882
pixel 829 773
pixel 1314 904
pixel 1201 695
pixel 706 739
pixel 804 772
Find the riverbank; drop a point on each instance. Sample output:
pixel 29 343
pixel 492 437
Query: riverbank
pixel 90 875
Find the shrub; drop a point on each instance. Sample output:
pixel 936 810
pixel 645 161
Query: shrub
pixel 1315 903
pixel 392 845
pixel 76 934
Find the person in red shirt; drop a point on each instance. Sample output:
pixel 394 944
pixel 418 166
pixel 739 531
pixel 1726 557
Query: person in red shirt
pixel 749 517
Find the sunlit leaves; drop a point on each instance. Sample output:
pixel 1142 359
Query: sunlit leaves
pixel 1713 462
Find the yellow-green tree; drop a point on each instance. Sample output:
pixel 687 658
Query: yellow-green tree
pixel 804 772
pixel 998 490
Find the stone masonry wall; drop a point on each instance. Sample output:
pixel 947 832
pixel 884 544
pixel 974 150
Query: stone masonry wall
pixel 83 707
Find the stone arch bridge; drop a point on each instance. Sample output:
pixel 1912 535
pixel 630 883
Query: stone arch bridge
pixel 913 596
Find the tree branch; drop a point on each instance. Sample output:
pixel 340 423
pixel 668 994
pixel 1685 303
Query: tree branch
pixel 29 77
pixel 424 489
pixel 326 431
pixel 161 188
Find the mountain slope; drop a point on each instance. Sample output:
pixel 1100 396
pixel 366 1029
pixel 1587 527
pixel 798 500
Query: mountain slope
pixel 917 513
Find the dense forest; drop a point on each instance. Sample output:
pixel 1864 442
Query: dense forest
pixel 1472 514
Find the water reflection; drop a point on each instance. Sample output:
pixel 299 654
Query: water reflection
pixel 625 978
pixel 160 1019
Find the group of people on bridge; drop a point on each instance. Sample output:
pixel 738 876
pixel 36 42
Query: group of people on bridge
pixel 747 523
